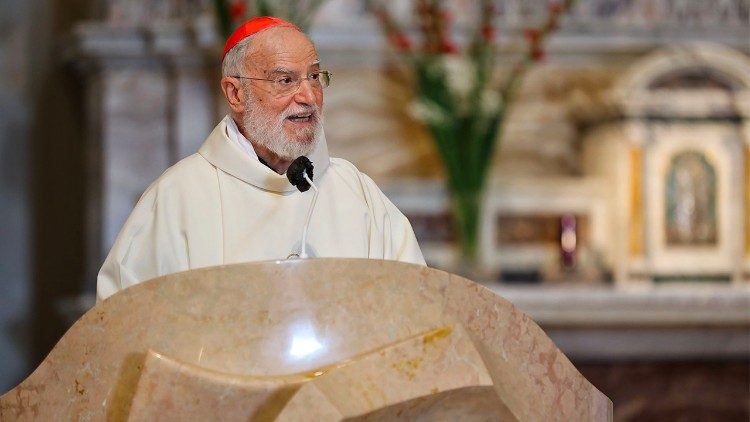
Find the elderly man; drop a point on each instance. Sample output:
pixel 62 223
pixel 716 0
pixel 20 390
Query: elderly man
pixel 231 201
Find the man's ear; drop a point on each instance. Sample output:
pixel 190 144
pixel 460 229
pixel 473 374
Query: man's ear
pixel 233 92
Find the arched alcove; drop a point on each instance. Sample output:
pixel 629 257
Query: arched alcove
pixel 696 81
pixel 678 155
pixel 715 65
pixel 695 77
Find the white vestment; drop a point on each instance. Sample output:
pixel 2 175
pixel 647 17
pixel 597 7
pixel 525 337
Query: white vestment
pixel 221 206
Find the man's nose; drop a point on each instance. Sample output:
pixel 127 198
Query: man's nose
pixel 306 93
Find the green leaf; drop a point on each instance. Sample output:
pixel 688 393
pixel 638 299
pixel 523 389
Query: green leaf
pixel 223 18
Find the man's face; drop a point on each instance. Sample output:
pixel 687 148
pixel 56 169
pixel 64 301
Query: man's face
pixel 288 124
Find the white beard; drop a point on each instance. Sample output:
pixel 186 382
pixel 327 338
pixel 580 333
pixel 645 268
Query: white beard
pixel 270 134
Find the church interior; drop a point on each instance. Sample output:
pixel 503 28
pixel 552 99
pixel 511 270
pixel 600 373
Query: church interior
pixel 613 205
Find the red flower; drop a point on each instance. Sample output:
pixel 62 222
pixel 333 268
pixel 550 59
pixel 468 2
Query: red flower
pixel 532 35
pixel 488 33
pixel 400 41
pixel 537 54
pixel 237 10
pixel 448 47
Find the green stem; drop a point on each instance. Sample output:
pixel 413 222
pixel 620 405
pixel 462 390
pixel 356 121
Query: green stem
pixel 467 204
pixel 222 15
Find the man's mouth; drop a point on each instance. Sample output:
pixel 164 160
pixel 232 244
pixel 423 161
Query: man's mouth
pixel 300 117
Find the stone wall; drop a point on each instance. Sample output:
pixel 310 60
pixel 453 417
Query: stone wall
pixel 41 180
pixel 14 195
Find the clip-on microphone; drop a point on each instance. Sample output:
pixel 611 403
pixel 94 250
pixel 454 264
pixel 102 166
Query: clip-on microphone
pixel 300 174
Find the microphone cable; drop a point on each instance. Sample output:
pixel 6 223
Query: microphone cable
pixel 300 174
pixel 303 248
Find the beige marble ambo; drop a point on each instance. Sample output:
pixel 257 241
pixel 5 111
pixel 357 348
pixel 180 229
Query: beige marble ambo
pixel 319 339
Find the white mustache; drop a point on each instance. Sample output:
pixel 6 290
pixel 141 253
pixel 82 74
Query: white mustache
pixel 311 110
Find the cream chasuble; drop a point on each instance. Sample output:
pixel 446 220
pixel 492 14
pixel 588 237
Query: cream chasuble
pixel 222 206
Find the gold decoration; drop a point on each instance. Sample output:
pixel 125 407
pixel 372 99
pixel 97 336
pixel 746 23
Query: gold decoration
pixel 636 203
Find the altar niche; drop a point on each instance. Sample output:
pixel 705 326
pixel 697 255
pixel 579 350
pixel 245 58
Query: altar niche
pixel 680 209
pixel 691 201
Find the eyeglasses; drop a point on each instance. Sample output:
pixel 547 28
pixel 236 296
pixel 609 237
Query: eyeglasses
pixel 285 85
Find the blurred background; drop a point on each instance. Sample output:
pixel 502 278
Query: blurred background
pixel 609 193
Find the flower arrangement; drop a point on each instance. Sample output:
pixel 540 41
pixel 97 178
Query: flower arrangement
pixel 231 13
pixel 458 97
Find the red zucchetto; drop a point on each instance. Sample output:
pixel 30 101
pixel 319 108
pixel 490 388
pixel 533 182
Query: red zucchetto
pixel 253 26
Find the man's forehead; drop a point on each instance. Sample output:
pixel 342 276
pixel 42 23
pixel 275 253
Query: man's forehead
pixel 282 67
pixel 282 47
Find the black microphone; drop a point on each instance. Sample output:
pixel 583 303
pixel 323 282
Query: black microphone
pixel 296 173
pixel 300 174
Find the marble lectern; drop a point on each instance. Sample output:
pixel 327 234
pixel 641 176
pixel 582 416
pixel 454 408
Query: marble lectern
pixel 319 339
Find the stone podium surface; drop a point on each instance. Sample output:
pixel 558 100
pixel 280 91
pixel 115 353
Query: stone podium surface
pixel 320 339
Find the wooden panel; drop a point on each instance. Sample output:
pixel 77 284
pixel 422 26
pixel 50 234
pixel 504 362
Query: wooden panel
pixel 433 227
pixel 536 229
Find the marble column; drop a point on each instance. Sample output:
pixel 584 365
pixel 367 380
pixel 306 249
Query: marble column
pixel 150 102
